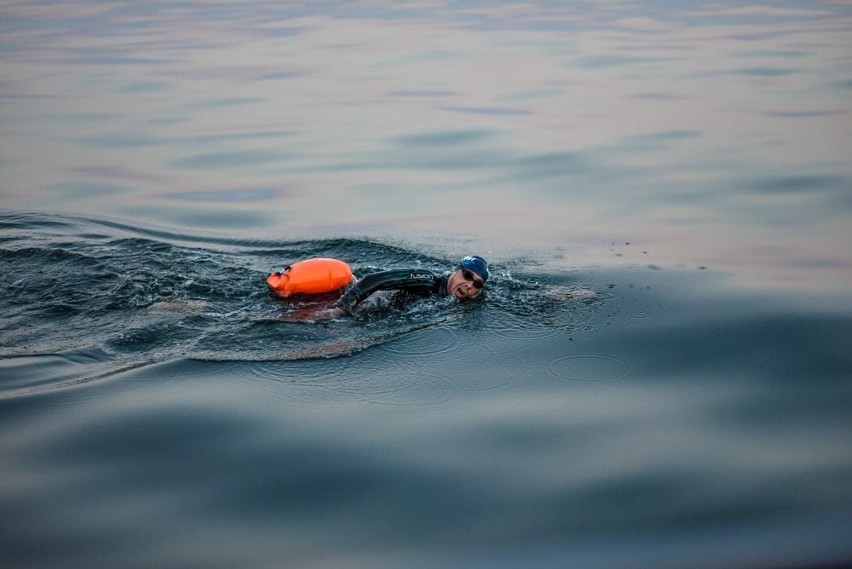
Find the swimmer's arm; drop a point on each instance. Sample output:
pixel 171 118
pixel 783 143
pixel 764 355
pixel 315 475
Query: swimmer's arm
pixel 352 298
pixel 383 280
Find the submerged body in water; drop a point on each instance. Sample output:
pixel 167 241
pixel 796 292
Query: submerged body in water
pixel 464 283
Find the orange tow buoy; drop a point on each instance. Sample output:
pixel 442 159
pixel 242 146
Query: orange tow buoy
pixel 311 276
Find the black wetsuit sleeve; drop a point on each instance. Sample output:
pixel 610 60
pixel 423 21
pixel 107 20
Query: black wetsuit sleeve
pixel 417 281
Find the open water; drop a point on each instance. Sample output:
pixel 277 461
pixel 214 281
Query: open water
pixel 658 375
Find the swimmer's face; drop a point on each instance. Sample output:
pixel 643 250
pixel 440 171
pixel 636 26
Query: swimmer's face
pixel 462 284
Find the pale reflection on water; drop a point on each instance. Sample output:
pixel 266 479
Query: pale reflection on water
pixel 713 135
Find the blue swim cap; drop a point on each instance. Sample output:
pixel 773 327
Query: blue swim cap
pixel 475 264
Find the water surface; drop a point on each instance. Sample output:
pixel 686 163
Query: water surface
pixel 658 375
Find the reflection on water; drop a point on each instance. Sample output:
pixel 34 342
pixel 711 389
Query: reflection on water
pixel 714 135
pixel 657 376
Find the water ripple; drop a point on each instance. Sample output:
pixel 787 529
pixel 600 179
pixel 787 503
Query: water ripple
pixel 439 341
pixel 588 368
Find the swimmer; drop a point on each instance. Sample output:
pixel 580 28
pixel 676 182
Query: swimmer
pixel 464 282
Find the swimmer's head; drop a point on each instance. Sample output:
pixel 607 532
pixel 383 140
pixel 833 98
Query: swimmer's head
pixel 476 265
pixel 468 278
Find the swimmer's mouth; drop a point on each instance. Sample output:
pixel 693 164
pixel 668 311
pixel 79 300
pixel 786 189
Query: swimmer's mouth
pixel 460 292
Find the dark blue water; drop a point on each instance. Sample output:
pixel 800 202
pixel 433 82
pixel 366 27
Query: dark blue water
pixel 157 410
pixel 658 375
